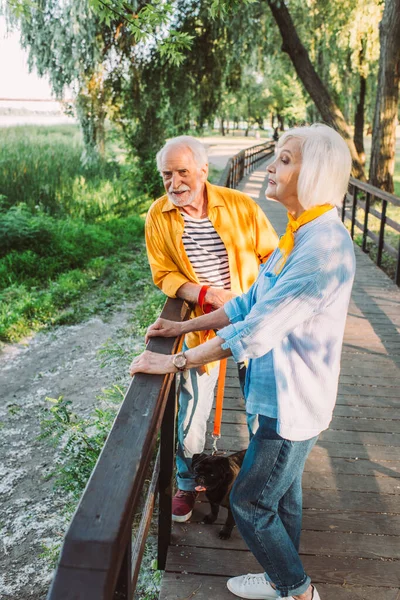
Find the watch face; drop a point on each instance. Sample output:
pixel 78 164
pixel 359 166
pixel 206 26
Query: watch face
pixel 180 361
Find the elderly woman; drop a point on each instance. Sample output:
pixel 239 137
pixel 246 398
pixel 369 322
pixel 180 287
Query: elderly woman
pixel 290 327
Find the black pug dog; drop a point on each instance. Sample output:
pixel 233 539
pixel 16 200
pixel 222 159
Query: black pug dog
pixel 215 475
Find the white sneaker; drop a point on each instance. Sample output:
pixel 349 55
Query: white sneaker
pixel 253 587
pixel 316 596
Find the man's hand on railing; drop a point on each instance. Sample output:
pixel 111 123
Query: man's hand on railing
pixel 217 297
pixel 163 328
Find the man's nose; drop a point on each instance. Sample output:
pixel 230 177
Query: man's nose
pixel 176 181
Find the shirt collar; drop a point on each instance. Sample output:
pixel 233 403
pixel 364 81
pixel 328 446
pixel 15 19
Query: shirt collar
pixel 214 198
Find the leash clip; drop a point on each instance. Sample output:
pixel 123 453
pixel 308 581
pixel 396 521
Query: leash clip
pixel 214 446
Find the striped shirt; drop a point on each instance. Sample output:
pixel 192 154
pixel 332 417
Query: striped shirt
pixel 291 327
pixel 206 252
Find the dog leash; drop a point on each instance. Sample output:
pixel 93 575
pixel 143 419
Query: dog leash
pixel 207 308
pixel 219 404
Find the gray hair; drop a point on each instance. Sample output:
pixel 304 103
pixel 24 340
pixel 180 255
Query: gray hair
pixel 326 165
pixel 184 141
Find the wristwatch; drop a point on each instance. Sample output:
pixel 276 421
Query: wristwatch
pixel 180 361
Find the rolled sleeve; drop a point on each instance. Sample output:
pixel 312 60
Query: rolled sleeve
pixel 171 283
pixel 232 336
pixel 272 317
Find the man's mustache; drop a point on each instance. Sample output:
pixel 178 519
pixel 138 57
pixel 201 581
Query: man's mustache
pixel 180 189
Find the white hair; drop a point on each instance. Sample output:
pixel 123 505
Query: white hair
pixel 190 143
pixel 326 165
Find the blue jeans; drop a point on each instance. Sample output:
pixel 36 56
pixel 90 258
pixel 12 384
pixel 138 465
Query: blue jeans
pixel 266 502
pixel 196 399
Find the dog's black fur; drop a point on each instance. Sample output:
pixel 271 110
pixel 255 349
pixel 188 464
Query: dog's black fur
pixel 217 474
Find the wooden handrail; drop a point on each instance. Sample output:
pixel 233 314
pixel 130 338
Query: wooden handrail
pixel 91 557
pixel 244 162
pixel 374 191
pixel 352 202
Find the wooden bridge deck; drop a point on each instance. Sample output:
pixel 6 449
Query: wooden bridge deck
pixel 351 524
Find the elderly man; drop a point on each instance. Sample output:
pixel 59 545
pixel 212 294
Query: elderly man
pixel 205 244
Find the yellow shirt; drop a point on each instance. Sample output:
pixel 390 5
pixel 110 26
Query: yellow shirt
pixel 248 236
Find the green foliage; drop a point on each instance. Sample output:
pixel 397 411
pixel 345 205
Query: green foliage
pixel 79 439
pixel 85 235
pixel 41 168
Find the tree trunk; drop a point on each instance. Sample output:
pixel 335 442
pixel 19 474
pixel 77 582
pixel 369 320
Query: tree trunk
pixel 329 111
pixel 359 120
pixel 222 129
pixel 387 99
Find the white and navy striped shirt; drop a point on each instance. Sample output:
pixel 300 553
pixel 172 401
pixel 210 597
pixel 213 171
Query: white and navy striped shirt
pixel 291 328
pixel 206 252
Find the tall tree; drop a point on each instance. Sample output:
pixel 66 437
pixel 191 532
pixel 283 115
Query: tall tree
pixel 387 99
pixel 330 112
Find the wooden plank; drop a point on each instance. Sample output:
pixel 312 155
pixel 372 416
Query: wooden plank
pixel 350 501
pixel 233 399
pixel 334 449
pixel 355 378
pixel 327 569
pixel 328 543
pixel 348 423
pixel 178 586
pixel 323 520
pixel 356 451
pixel 390 414
pixel 369 390
pixel 352 522
pixel 373 439
pixel 341 410
pixel 318 463
pixel 360 437
pixel 352 483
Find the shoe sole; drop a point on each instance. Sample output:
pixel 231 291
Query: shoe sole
pixel 182 518
pixel 249 596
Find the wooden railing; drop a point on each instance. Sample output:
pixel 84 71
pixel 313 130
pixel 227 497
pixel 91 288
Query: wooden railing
pixel 369 204
pixel 99 559
pixel 244 162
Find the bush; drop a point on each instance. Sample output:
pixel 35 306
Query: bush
pixel 41 168
pixel 37 248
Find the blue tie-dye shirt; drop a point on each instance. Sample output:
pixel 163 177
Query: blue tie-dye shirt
pixel 291 327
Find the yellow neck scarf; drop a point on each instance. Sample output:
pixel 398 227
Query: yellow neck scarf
pixel 286 243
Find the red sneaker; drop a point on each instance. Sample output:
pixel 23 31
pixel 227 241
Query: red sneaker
pixel 182 505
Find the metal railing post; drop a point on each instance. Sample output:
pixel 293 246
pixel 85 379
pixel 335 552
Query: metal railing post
pixel 365 230
pixel 354 209
pixel 397 275
pixel 344 208
pixel 381 233
pixel 165 483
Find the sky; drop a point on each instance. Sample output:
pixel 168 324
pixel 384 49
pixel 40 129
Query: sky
pixel 15 79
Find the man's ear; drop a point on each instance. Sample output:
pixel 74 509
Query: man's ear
pixel 204 172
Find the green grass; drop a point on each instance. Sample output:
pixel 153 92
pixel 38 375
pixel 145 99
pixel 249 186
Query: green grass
pixel 71 238
pixel 41 167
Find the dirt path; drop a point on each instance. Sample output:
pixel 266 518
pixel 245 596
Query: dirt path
pixel 63 362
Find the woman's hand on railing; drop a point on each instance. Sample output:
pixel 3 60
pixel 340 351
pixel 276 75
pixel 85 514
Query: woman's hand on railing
pixel 152 363
pixel 163 328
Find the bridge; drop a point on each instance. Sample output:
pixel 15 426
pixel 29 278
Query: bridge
pixel 351 521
